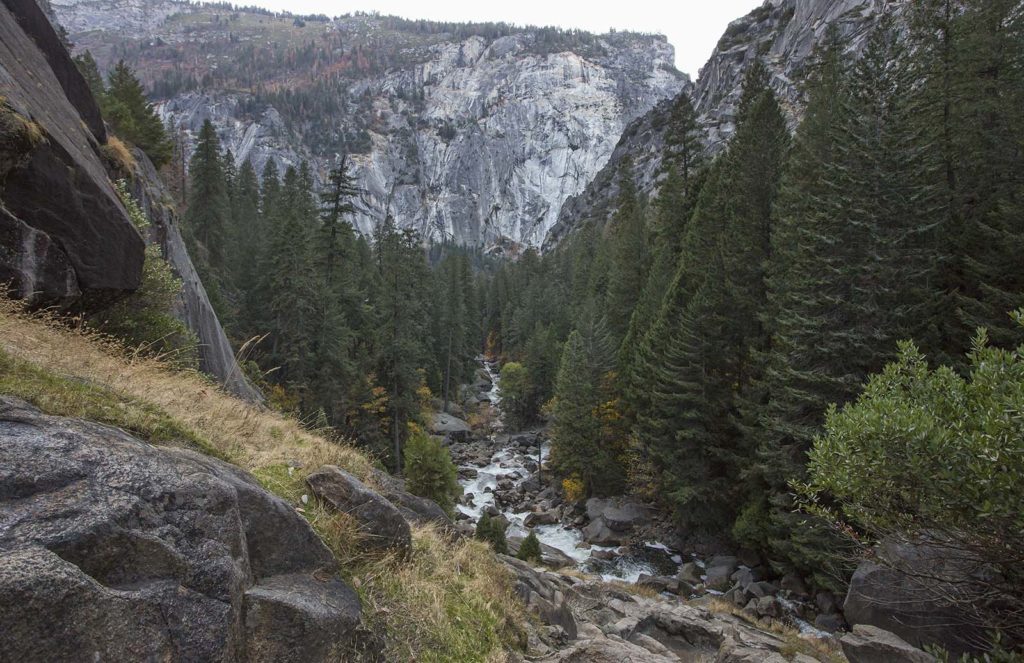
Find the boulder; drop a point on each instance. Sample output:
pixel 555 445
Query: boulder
pixel 380 521
pixel 909 597
pixel 418 510
pixel 619 514
pixel 64 234
pixel 598 533
pixel 830 622
pixel 535 518
pixel 146 553
pixel 870 644
pixel 550 556
pixel 608 650
pixel 691 573
pixel 718 574
pixel 449 427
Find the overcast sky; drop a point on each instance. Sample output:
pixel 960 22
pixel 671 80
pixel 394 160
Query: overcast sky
pixel 692 26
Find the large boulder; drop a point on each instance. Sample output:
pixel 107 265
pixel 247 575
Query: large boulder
pixel 612 520
pixel 916 594
pixel 64 234
pixel 117 550
pixel 381 523
pixel 451 428
pixel 550 556
pixel 870 644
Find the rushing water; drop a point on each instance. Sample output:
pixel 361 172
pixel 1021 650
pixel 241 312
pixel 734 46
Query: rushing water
pixel 510 463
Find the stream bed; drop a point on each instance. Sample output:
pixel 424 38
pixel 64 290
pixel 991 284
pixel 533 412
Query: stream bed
pixel 510 463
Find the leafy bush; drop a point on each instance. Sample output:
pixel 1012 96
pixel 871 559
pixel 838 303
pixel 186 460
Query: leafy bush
pixel 529 549
pixel 491 531
pixel 429 471
pixel 573 488
pixel 144 319
pixel 931 455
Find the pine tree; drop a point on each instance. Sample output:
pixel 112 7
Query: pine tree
pixel 529 549
pixel 627 241
pixel 580 447
pixel 429 471
pixel 208 214
pixel 125 106
pixel 91 72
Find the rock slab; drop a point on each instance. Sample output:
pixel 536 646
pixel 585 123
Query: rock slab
pixel 112 549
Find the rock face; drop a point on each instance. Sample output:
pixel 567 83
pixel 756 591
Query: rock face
pixel 64 235
pixel 216 357
pixel 783 34
pixel 468 133
pixel 142 553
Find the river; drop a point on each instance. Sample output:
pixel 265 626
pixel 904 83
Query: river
pixel 510 463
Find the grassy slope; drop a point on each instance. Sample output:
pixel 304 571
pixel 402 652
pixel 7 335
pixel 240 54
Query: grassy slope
pixel 452 601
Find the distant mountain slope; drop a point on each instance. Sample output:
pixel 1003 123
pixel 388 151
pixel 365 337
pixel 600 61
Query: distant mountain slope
pixel 476 133
pixel 783 33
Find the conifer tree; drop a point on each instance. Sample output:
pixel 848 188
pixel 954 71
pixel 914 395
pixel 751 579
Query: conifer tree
pixel 628 251
pixel 91 72
pixel 207 217
pixel 125 106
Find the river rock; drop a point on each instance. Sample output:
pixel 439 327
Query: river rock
pixel 535 518
pixel 449 427
pixel 550 556
pixel 870 644
pixel 381 523
pixel 118 550
pixel 691 573
pixel 546 594
pixel 719 572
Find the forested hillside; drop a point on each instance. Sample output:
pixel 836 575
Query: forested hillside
pixel 691 348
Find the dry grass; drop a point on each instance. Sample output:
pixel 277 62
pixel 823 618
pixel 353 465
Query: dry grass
pixel 827 651
pixel 450 601
pixel 453 601
pixel 118 156
pixel 251 437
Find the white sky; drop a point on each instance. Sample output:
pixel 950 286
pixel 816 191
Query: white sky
pixel 692 26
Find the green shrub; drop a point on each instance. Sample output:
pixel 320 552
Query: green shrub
pixel 144 320
pixel 934 455
pixel 529 549
pixel 429 471
pixel 490 530
pixel 515 394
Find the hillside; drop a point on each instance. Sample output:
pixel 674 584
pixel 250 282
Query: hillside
pixel 472 133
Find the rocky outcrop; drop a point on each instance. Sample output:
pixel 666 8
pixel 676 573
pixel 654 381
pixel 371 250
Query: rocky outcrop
pixel 870 644
pixel 472 134
pixel 64 235
pixel 783 35
pixel 113 549
pixel 381 523
pixel 216 356
pixel 588 620
pixel 450 427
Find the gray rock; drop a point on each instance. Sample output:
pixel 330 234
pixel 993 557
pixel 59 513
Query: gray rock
pixel 870 644
pixel 830 622
pixel 598 533
pixel 550 556
pixel 144 553
pixel 450 427
pixel 719 572
pixel 691 573
pixel 535 518
pixel 380 522
pixel 794 584
pixel 910 596
pixel 544 593
pixel 64 234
